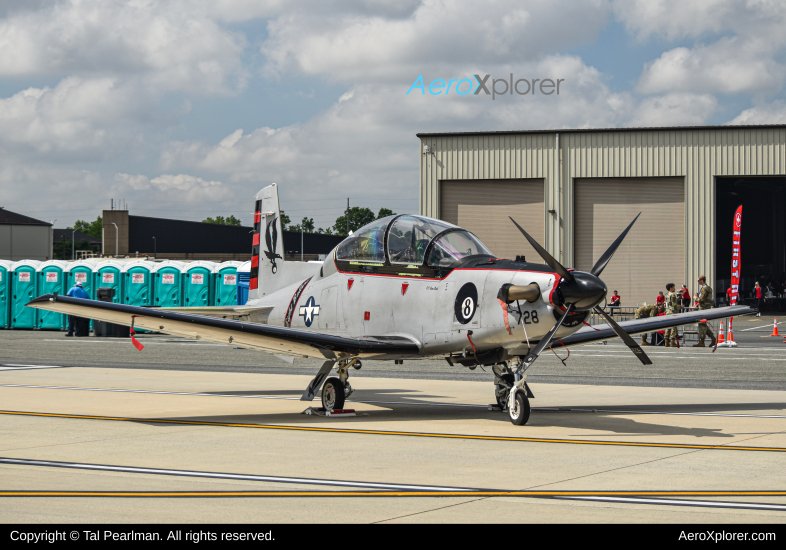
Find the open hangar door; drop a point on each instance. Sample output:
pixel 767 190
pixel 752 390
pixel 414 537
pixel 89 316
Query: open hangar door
pixel 483 207
pixel 763 245
pixel 653 253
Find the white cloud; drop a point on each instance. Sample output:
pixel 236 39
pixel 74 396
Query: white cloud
pixel 438 36
pixel 174 47
pixel 677 109
pixel 673 19
pixel 767 113
pixel 730 65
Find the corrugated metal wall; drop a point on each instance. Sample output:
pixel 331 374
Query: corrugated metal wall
pixel 698 155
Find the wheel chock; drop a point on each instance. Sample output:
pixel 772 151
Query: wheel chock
pixel 322 411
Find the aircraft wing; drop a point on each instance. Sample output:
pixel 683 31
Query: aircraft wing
pixel 599 333
pixel 249 313
pixel 274 339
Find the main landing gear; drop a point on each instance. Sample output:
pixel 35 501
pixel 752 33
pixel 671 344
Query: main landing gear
pixel 335 390
pixel 512 394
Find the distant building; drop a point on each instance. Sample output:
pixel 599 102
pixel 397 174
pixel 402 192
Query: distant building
pixel 126 235
pixel 23 237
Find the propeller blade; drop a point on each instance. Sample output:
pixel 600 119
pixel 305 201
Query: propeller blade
pixel 603 261
pixel 627 338
pixel 546 340
pixel 548 258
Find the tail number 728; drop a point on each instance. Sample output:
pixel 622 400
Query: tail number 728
pixel 528 317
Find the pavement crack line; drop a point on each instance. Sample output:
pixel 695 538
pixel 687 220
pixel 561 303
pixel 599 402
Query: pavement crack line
pixel 566 480
pixel 230 476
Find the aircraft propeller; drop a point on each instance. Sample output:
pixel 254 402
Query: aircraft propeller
pixel 580 291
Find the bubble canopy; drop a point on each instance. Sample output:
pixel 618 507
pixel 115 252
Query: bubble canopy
pixel 412 241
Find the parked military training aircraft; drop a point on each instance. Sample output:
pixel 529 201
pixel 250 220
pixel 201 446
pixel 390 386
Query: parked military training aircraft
pixel 401 287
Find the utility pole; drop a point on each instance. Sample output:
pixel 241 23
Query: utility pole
pixel 116 238
pixel 155 252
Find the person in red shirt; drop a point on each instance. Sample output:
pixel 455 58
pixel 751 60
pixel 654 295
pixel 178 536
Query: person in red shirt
pixel 759 295
pixel 615 300
pixel 685 296
pixel 728 295
pixel 660 300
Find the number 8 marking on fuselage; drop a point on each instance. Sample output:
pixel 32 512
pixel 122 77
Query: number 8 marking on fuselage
pixel 468 307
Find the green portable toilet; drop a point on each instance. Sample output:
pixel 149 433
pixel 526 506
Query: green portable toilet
pixel 109 274
pixel 137 283
pixel 51 280
pixel 81 271
pixel 167 284
pixel 225 283
pixel 197 284
pixel 24 287
pixel 5 293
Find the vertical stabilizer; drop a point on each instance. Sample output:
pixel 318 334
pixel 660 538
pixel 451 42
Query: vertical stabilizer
pixel 267 253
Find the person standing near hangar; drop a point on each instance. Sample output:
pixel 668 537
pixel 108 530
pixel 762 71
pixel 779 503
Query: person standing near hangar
pixel 673 302
pixel 759 295
pixel 685 296
pixel 704 301
pixel 76 324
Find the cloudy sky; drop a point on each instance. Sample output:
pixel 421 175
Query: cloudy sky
pixel 185 108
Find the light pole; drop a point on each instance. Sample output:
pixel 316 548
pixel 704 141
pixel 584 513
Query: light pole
pixel 116 237
pixel 72 244
pixel 155 254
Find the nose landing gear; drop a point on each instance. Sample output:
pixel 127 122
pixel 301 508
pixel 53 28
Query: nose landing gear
pixel 512 395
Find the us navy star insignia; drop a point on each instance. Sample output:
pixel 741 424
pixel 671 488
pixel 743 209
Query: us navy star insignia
pixel 309 310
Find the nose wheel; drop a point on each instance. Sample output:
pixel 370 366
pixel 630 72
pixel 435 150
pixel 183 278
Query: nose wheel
pixel 519 409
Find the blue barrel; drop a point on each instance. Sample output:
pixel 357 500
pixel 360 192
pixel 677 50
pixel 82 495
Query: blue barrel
pixel 24 287
pixel 167 284
pixel 198 284
pixel 51 280
pixel 5 293
pixel 225 283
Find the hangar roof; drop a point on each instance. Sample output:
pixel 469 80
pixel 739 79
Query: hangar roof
pixel 588 130
pixel 12 218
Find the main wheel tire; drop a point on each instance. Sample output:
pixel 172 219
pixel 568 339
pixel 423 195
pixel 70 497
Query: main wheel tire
pixel 333 394
pixel 519 414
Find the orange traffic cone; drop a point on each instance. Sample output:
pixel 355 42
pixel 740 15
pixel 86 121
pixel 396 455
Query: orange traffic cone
pixel 731 333
pixel 721 337
pixel 775 328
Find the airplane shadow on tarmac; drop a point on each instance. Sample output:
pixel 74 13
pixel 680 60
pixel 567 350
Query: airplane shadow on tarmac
pixel 605 423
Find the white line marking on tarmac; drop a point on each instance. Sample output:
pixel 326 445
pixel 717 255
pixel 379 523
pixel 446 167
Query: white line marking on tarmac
pixel 424 403
pixel 220 475
pixel 673 502
pixel 754 328
pixel 716 357
pixel 25 367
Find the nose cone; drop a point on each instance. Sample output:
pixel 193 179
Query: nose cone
pixel 585 291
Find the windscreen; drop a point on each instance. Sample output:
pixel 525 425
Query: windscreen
pixel 366 244
pixel 409 236
pixel 454 246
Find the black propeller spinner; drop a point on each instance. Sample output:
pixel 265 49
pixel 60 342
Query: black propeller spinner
pixel 582 291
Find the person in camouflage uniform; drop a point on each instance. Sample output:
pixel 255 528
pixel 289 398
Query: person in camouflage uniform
pixel 645 311
pixel 705 302
pixel 673 305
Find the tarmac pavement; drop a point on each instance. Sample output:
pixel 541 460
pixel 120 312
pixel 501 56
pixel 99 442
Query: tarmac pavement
pixel 191 432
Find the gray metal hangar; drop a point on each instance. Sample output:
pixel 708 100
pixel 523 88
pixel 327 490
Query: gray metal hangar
pixel 576 190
